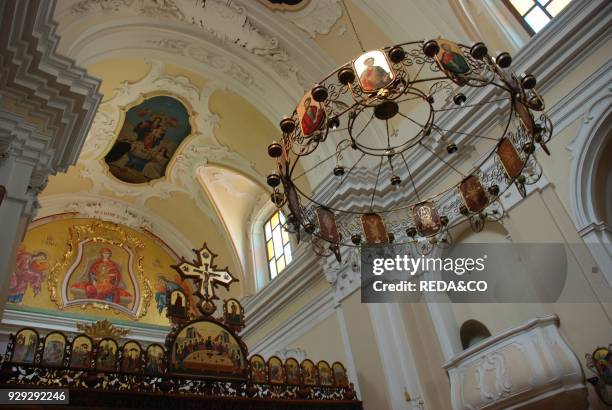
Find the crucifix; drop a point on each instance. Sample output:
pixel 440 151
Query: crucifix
pixel 207 276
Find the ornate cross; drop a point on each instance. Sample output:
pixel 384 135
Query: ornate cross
pixel 207 276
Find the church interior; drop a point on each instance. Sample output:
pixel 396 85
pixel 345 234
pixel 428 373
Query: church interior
pixel 212 204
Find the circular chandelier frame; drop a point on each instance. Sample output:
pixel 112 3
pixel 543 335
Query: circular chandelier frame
pixel 419 85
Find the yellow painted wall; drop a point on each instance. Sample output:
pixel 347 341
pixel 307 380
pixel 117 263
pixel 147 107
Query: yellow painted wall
pixel 323 342
pixel 46 250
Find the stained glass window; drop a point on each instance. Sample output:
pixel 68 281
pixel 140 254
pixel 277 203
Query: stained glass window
pixel 278 246
pixel 535 14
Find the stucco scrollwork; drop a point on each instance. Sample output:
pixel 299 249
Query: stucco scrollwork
pixel 318 17
pixel 193 153
pixel 224 21
pixel 503 384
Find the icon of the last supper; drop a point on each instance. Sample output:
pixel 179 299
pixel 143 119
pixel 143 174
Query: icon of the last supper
pixel 209 349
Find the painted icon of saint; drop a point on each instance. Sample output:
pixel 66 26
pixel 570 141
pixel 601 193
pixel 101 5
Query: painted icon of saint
pixel 312 117
pixel 81 355
pixel 374 76
pixel 453 61
pixel 374 229
pixel 26 342
pixel 426 218
pixel 166 286
pixel 234 316
pixel 103 281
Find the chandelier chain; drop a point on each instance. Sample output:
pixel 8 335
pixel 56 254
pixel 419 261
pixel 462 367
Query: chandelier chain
pixel 353 26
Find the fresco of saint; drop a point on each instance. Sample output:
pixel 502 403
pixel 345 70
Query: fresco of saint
pixel 102 281
pixel 325 374
pixel 155 358
pixel 258 369
pixel 130 361
pixel 53 353
pixel 602 360
pixel 276 370
pixel 451 59
pixel 234 316
pixel 374 229
pixel 30 269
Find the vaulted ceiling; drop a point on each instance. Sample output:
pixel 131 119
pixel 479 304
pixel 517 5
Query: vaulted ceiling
pixel 238 66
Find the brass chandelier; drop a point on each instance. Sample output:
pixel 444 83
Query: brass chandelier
pixel 376 122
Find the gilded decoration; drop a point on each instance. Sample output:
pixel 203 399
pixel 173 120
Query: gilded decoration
pixel 102 329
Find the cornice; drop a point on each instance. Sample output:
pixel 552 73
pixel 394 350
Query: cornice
pixel 300 276
pixel 13 320
pixel 47 87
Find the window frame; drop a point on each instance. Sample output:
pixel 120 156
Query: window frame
pixel 521 18
pixel 285 241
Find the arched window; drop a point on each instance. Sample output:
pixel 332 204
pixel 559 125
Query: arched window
pixel 278 246
pixel 473 332
pixel 535 14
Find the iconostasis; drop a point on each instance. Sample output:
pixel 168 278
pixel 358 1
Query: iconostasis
pixel 87 268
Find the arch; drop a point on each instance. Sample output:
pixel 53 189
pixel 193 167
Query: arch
pixel 472 332
pixel 588 156
pixel 223 185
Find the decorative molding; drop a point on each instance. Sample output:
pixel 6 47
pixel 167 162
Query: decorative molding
pixel 583 101
pixel 226 22
pixel 296 352
pixel 193 153
pixel 318 17
pixel 101 329
pixel 116 211
pixel 34 84
pixel 592 100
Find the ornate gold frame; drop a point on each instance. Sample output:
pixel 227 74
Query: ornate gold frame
pixel 123 109
pixel 105 232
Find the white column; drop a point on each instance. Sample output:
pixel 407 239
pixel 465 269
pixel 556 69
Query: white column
pixel 396 355
pixel 350 361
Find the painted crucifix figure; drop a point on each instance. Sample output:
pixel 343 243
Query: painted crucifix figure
pixel 206 276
